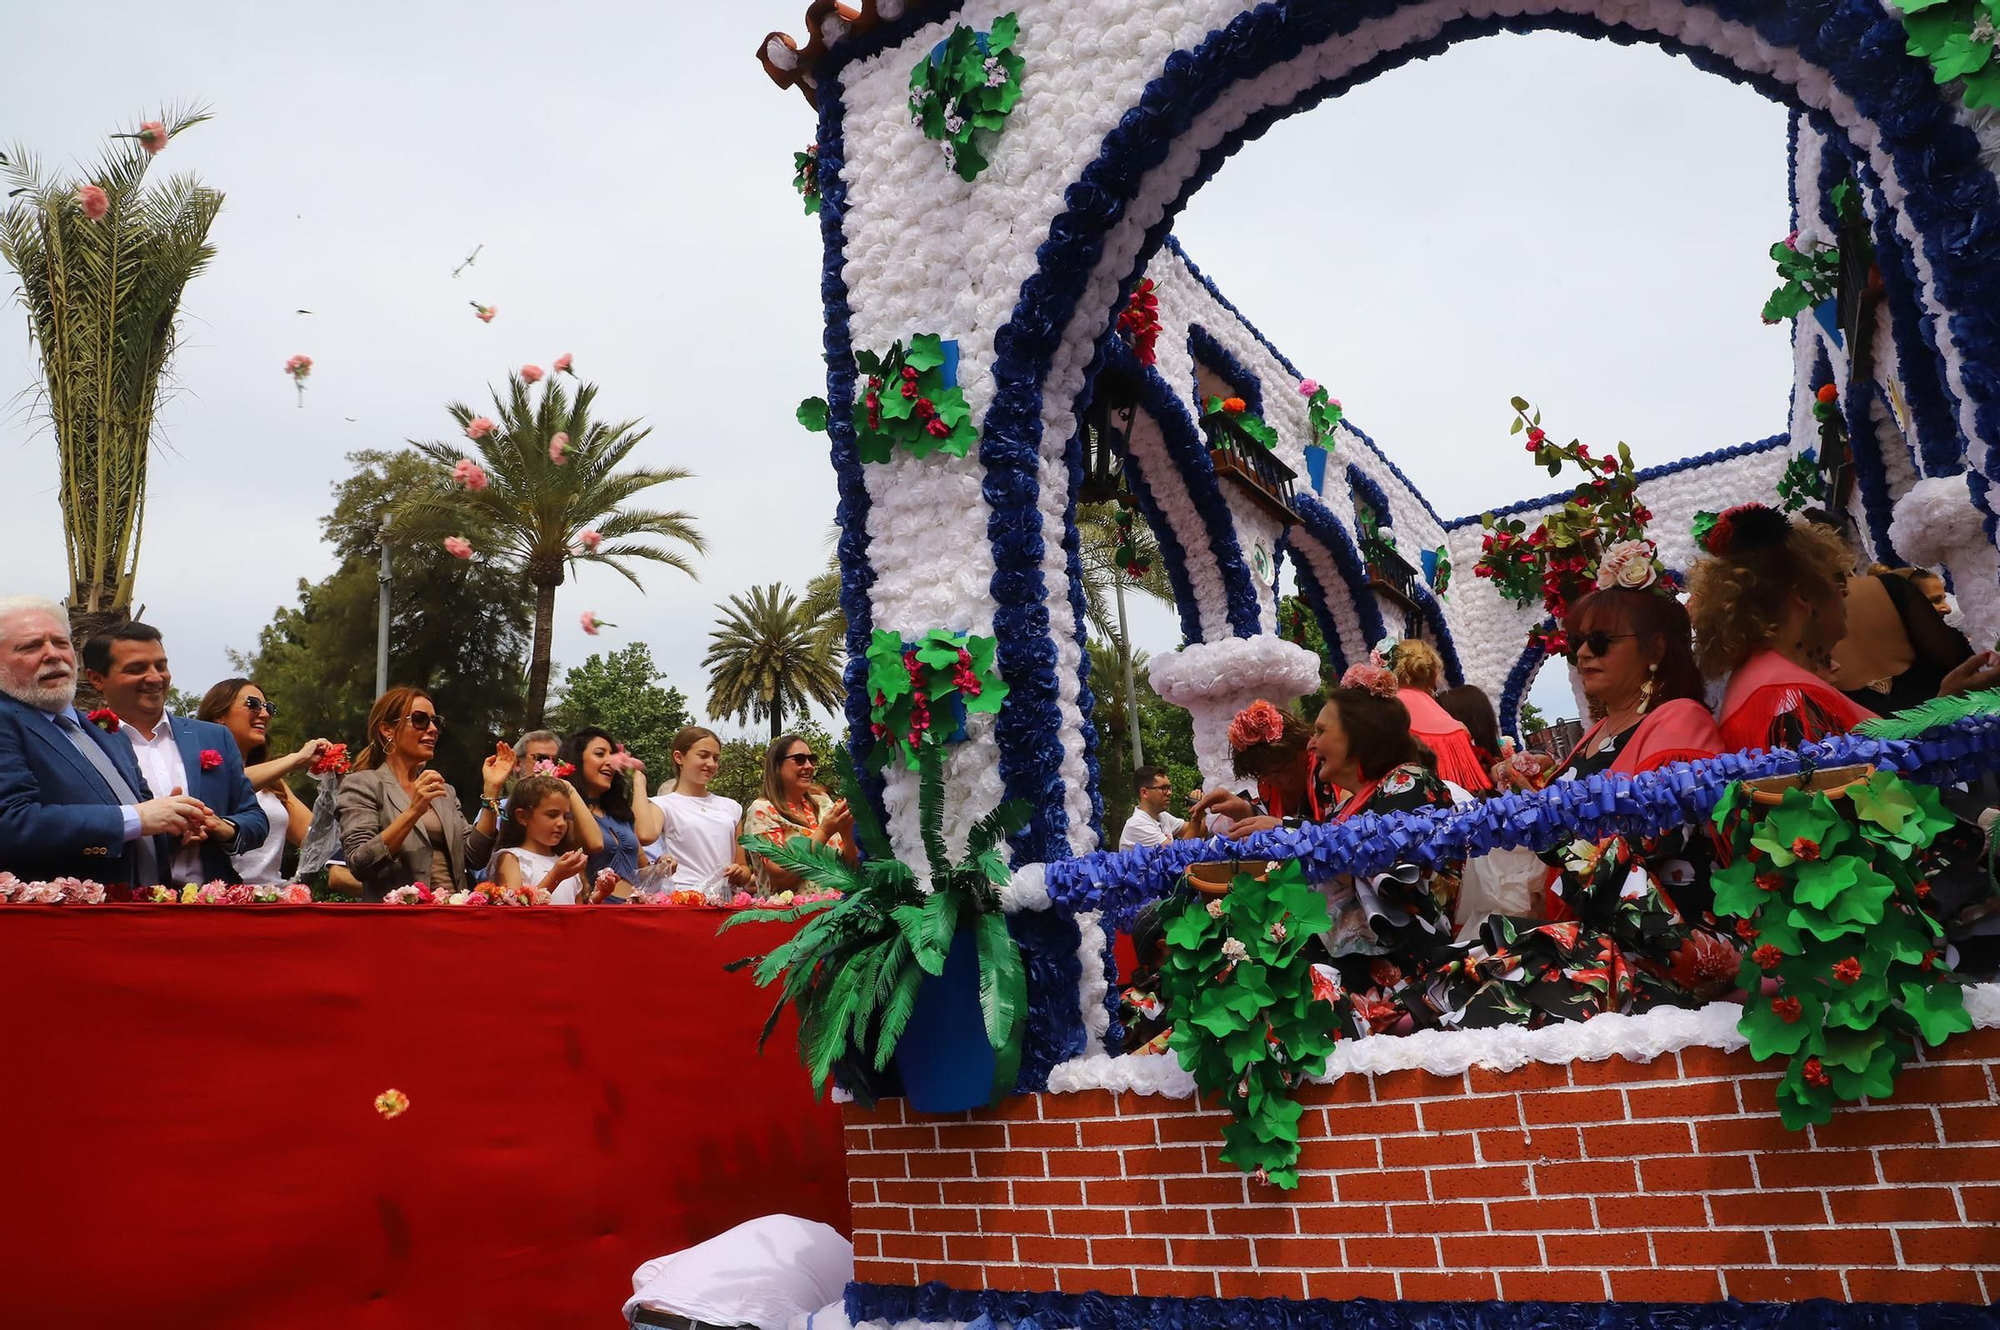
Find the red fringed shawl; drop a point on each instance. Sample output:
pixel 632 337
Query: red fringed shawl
pixel 1676 731
pixel 1772 703
pixel 1458 760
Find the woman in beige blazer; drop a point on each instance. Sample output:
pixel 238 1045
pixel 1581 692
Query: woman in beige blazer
pixel 399 822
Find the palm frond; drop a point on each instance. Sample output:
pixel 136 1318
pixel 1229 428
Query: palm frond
pixel 998 825
pixel 1001 1006
pixel 896 1014
pixel 818 863
pixel 867 827
pixel 930 809
pixel 1913 721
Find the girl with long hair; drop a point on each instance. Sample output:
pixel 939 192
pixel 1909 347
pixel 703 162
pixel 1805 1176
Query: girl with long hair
pixel 791 805
pixel 612 786
pixel 241 707
pixel 538 842
pixel 698 829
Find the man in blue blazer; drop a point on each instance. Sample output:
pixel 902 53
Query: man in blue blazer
pixel 72 800
pixel 198 758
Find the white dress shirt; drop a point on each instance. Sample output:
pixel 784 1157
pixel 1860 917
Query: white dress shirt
pixel 160 763
pixel 1143 828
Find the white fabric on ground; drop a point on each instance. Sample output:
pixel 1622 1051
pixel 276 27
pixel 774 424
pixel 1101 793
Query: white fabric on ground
pixel 772 1273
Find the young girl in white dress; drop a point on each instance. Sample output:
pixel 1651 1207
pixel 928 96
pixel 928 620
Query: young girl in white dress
pixel 537 846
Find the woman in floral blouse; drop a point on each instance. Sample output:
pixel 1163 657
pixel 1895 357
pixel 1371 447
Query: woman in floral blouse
pixel 793 804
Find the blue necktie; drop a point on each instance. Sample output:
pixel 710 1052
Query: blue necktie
pixel 148 860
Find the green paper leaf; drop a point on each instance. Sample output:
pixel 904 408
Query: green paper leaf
pixel 926 352
pixel 1001 35
pixel 812 414
pixel 1770 1034
pixel 1876 1079
pixel 1938 1008
pixel 1736 891
pixel 1801 1105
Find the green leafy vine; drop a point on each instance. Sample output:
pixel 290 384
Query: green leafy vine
pixel 969 84
pixel 906 401
pixel 1957 37
pixel 909 682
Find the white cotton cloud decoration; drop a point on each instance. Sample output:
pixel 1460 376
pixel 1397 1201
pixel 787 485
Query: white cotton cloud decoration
pixel 1936 523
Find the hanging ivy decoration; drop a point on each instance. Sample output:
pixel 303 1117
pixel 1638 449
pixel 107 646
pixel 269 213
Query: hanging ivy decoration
pixel 909 399
pixel 805 176
pixel 967 86
pixel 909 683
pixel 1808 266
pixel 1801 485
pixel 1958 38
pixel 1833 895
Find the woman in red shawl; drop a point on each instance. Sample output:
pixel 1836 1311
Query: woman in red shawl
pixel 1418 672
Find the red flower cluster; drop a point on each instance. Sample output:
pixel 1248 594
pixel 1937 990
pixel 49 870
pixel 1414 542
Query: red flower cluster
pixel 1767 957
pixel 1788 1009
pixel 1139 321
pixel 1848 971
pixel 962 677
pixel 1748 931
pixel 1805 849
pixel 874 402
pixel 104 718
pixel 1768 881
pixel 920 706
pixel 1814 1073
pixel 332 761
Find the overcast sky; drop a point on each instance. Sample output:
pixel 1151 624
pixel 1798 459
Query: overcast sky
pixel 1576 222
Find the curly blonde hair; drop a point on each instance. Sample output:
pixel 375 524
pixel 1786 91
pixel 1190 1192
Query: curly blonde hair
pixel 1736 598
pixel 1417 665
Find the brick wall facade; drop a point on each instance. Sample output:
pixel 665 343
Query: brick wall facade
pixel 1664 1181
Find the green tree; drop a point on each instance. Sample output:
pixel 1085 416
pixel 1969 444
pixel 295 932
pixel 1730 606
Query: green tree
pixel 741 775
pixel 767 660
pixel 532 514
pixel 457 629
pixel 1532 720
pixel 624 692
pixel 103 298
pixel 1165 731
pixel 1103 574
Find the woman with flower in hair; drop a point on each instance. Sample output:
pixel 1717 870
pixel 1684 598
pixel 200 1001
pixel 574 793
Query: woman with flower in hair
pixel 1418 673
pixel 1770 606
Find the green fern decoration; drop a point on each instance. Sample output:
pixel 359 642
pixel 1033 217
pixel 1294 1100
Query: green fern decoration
pixel 1927 716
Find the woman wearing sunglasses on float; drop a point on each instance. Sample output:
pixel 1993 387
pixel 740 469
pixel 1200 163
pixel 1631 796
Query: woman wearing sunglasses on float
pixel 400 823
pixel 240 707
pixel 792 804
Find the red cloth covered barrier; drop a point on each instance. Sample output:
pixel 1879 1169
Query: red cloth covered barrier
pixel 192 1140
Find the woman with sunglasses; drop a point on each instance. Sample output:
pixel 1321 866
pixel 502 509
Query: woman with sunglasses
pixel 239 706
pixel 792 805
pixel 400 823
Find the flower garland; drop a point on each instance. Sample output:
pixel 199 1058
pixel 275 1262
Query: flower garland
pixel 1958 38
pixel 1835 909
pixel 1243 999
pixel 486 893
pixel 1139 322
pixel 925 411
pixel 906 680
pixel 77 891
pixel 967 84
pixel 805 177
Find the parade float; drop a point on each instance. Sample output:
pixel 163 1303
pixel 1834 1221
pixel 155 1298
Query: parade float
pixel 1011 330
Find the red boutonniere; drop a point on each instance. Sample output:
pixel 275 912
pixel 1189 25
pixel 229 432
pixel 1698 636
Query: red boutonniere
pixel 210 759
pixel 104 718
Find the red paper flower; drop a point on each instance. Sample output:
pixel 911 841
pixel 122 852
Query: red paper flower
pixel 1748 931
pixel 1769 881
pixel 1767 957
pixel 104 718
pixel 1847 971
pixel 1828 393
pixel 1788 1009
pixel 1815 1073
pixel 210 759
pixel 1807 850
pixel 1235 406
pixel 332 761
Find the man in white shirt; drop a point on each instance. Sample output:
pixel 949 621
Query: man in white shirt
pixel 1151 823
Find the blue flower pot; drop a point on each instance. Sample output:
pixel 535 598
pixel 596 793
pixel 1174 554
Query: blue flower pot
pixel 943 1057
pixel 1316 467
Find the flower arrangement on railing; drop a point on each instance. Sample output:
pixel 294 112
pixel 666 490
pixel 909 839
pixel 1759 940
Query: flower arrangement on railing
pixel 964 89
pixel 77 891
pixel 1801 485
pixel 1378 538
pixel 1230 419
pixel 1136 562
pixel 911 400
pixel 1958 37
pixel 486 893
pixel 871 955
pixel 908 682
pixel 1560 559
pixel 1831 884
pixel 805 176
pixel 1139 322
pixel 1809 261
pixel 1251 1017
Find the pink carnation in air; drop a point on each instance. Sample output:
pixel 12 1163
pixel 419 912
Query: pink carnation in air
pixel 485 312
pixel 531 373
pixel 1307 387
pixel 299 366
pixel 457 548
pixel 479 427
pixel 562 363
pixel 591 623
pixel 93 200
pixel 557 446
pixel 589 539
pixel 1260 722
pixel 152 136
pixel 470 474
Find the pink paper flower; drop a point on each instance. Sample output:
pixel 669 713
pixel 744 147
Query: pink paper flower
pixel 457 548
pixel 531 373
pixel 591 623
pixel 1307 387
pixel 620 760
pixel 558 447
pixel 295 893
pixel 93 200
pixel 210 759
pixel 299 366
pixel 469 474
pixel 486 312
pixel 1371 677
pixel 562 362
pixel 589 539
pixel 479 427
pixel 1260 722
pixel 152 136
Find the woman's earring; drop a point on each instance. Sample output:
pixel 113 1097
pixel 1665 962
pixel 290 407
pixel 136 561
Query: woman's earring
pixel 1647 689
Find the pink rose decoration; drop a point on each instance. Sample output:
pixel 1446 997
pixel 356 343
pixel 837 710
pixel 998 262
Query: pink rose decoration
pixel 457 548
pixel 152 136
pixel 1627 564
pixel 479 427
pixel 299 366
pixel 469 474
pixel 1260 722
pixel 1307 387
pixel 558 447
pixel 589 539
pixel 531 373
pixel 562 365
pixel 94 201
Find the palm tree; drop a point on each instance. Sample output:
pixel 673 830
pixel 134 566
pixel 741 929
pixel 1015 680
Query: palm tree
pixel 1104 578
pixel 821 603
pixel 102 296
pixel 766 660
pixel 541 515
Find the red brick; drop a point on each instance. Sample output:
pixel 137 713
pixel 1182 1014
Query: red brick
pixel 1021 1278
pixel 1044 1135
pixel 1682 1103
pixel 1957 1164
pixel 1083 1163
pixel 1088 1223
pixel 1783 1285
pixel 1199 1130
pixel 988 1192
pixel 1341 1219
pixel 1452 1286
pixel 867 1244
pixel 1617 1070
pixel 1341 1285
pixel 1943 1083
pixel 1255 1220
pixel 1153 1160
pixel 1834 1246
pixel 958 1163
pixel 1522 1146
pixel 1563 1107
pixel 1534 1076
pixel 1715 1248
pixel 1306 1253
pixel 1551 1286
pixel 1261 1284
pixel 1027 1108
pixel 1025 1219
pixel 1417 1084
pixel 951 1221
pixel 1460 1217
pixel 886 1272
pixel 891 1217
pixel 885 1111
pixel 1210 1251
pixel 1172 1219
pixel 1973 1046
pixel 969 1247
pixel 1417 1151
pixel 1596 1251
pixel 1371 1120
pixel 1591 1177
pixel 1882 1205
pixel 878 1166
pixel 1471 1113
pixel 1349 1152
pixel 1807 1172
pixel 1666 1286
pixel 1629 1140
pixel 1758 1096
pixel 1036 1191
pixel 1201 1191
pixel 1723 1136
pixel 1095 1279
pixel 1540 1216
pixel 957 1276
pixel 1313 1189
pixel 1494 1251
pixel 860 1191
pixel 1975 1246
pixel 1982 1204
pixel 1128 1251
pixel 1702 1063
pixel 1907 1285
pixel 903 1138
pixel 1054 1251
pixel 1854 1128
pixel 1472 1183
pixel 1174 1283
pixel 1758 1209
pixel 1696 1173
pixel 1116 1133
pixel 968 1135
pixel 1963 1124
pixel 1393 1253
pixel 1354 1088
pixel 1384 1185
pixel 1651 1211
pixel 1083 1104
